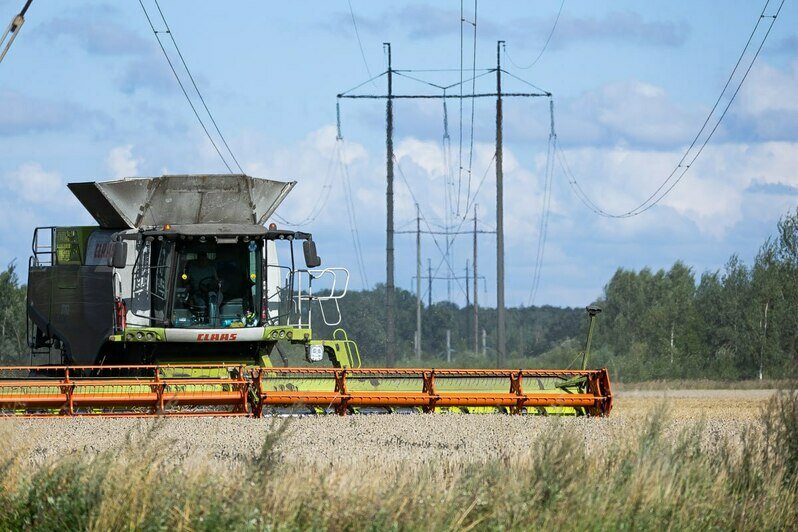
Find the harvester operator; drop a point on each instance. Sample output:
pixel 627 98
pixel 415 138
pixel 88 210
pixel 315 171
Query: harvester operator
pixel 202 279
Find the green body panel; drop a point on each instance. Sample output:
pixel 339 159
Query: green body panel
pixel 139 334
pixel 295 335
pixel 345 350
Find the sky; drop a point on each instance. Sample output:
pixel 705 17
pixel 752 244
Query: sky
pixel 86 94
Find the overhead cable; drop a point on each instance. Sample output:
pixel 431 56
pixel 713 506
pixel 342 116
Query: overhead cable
pixel 322 199
pixel 545 208
pixel 522 80
pixel 361 84
pixel 359 42
pixel 457 229
pixel 351 213
pixel 194 84
pixel 183 88
pixel 473 100
pixel 460 85
pixel 690 156
pixel 429 228
pixel 545 44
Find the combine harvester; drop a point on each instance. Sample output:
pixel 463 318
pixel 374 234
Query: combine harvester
pixel 176 304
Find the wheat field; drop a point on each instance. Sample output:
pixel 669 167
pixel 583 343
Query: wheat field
pixel 688 459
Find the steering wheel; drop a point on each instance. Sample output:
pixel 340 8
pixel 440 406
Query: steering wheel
pixel 207 284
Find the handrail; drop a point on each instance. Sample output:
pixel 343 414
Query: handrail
pixel 46 249
pixel 336 293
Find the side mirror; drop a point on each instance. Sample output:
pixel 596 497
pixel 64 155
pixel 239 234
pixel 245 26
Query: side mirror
pixel 312 259
pixel 118 258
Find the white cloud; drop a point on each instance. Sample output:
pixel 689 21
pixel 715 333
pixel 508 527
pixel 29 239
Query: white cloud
pixel 627 113
pixel 427 155
pixel 33 184
pixel 633 113
pixel 767 106
pixel 711 195
pixel 95 29
pixel 21 113
pixel 770 89
pixel 121 163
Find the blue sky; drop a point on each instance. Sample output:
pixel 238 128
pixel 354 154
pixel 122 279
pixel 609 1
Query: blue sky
pixel 85 94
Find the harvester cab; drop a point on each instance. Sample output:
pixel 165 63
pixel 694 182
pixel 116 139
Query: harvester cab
pixel 181 269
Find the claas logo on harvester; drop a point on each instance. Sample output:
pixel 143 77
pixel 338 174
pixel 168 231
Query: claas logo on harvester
pixel 217 337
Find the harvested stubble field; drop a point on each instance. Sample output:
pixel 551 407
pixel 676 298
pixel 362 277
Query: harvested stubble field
pixel 689 458
pixel 400 439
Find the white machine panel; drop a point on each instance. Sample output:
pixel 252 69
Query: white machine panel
pixel 241 334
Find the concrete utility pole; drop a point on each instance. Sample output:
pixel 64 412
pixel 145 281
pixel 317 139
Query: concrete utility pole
pixel 389 259
pixel 501 342
pixel 448 345
pixel 468 286
pixel 429 287
pixel 476 292
pixel 418 282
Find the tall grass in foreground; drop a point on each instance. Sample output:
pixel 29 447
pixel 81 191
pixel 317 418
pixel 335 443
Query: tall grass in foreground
pixel 658 482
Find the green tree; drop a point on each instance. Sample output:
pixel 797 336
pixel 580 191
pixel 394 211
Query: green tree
pixel 13 341
pixel 786 253
pixel 768 300
pixel 680 314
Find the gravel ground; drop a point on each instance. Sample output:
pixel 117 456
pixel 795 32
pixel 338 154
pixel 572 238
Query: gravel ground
pixel 397 439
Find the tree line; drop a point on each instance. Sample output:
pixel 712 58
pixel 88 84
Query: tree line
pixel 739 322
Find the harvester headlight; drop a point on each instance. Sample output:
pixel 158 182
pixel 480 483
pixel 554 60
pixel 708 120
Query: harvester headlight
pixel 129 337
pixel 150 336
pixel 282 334
pixel 274 335
pixel 290 335
pixel 139 335
pixel 314 353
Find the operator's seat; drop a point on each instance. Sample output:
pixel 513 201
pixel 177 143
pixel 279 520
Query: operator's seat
pixel 234 289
